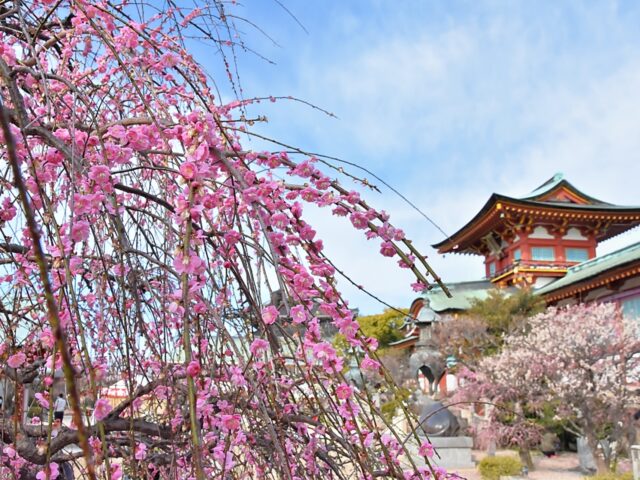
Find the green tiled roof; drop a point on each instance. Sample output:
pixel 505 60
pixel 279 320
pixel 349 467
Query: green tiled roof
pixel 593 267
pixel 462 295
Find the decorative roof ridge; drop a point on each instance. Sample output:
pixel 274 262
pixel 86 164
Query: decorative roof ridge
pixel 603 258
pixel 546 186
pixel 559 180
pixel 496 198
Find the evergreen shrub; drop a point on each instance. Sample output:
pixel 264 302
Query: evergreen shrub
pixel 492 468
pixel 611 476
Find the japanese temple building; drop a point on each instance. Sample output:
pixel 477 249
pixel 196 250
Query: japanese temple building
pixel 547 241
pixel 535 239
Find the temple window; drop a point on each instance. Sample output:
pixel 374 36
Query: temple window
pixel 631 307
pixel 543 253
pixel 576 254
pixel 492 269
pixel 517 255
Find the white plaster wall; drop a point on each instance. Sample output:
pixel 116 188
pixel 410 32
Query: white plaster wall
pixel 540 232
pixel 574 234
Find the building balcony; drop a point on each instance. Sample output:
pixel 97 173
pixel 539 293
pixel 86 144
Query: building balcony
pixel 533 268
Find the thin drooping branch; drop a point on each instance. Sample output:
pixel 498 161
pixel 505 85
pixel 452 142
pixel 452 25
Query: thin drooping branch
pixel 52 306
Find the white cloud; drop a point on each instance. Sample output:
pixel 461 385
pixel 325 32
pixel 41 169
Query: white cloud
pixel 451 112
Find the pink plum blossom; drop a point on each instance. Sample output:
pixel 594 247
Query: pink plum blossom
pixel 42 400
pixel 8 211
pixel 16 360
pixel 387 249
pixel 141 451
pixel 258 346
pixel 370 364
pixel 344 391
pixel 100 174
pixel 270 314
pixel 193 369
pixel 118 131
pixel 298 314
pixel 102 409
pixel 80 231
pixel 418 287
pixel 230 422
pixel 359 220
pixel 47 338
pixel 53 471
pixel 116 472
pixel 426 449
pixel 188 170
pixel 190 264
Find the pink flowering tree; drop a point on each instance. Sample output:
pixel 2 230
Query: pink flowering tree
pixel 503 388
pixel 583 359
pixel 141 242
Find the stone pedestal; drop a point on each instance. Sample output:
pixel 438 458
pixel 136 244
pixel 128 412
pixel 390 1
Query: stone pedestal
pixel 452 452
pixel 635 458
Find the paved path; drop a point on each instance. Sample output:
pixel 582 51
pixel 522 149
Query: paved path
pixel 559 467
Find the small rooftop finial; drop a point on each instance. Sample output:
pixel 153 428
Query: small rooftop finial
pixel 558 176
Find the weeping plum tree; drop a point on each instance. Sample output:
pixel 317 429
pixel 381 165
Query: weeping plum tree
pixel 141 242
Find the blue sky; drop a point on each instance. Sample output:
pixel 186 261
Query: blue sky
pixel 450 101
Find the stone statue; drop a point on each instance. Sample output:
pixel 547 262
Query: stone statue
pixel 436 420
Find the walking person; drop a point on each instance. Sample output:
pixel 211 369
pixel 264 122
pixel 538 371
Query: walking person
pixel 58 407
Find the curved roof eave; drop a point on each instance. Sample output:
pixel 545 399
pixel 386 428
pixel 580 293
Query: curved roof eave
pixel 486 208
pixel 450 242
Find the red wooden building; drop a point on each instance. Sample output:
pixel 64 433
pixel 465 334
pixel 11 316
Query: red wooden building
pixel 534 239
pixel 545 240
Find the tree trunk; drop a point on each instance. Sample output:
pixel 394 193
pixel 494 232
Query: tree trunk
pixel 601 463
pixel 525 458
pixel 18 404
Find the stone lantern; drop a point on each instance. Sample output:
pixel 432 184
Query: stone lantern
pixel 435 420
pixel 426 358
pixel 354 374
